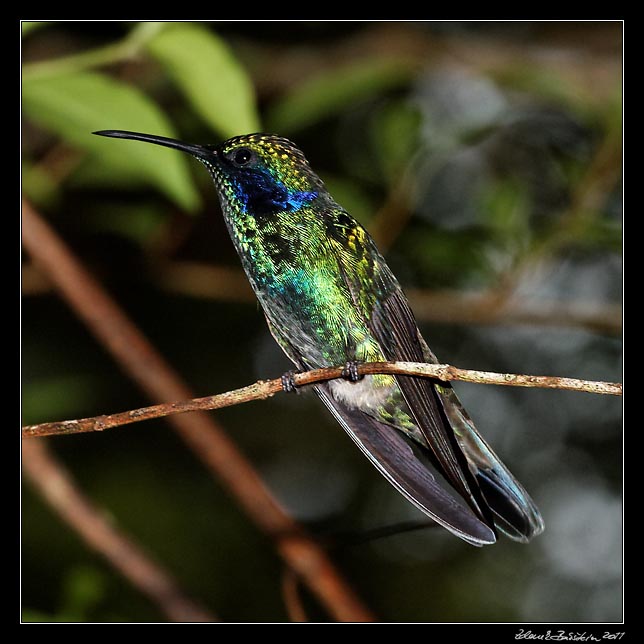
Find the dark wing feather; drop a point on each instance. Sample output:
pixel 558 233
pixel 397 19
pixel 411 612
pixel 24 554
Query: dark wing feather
pixel 500 497
pixel 515 513
pixel 394 327
pixel 407 467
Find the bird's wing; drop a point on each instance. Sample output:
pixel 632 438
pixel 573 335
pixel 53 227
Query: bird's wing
pixel 490 489
pixel 409 469
pixel 377 294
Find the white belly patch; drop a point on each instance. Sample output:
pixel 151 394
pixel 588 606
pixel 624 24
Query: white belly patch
pixel 364 394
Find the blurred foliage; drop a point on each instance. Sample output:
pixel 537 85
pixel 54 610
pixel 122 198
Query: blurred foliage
pixel 82 590
pixel 485 156
pixel 331 91
pixel 75 105
pixel 207 72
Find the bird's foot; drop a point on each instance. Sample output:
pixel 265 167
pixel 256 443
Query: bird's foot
pixel 288 382
pixel 350 371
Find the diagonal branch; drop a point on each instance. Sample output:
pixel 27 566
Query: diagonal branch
pixel 266 388
pixel 58 488
pixel 140 360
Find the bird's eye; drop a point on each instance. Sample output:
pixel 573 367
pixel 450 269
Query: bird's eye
pixel 242 156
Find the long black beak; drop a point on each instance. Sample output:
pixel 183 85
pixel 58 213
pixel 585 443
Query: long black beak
pixel 198 151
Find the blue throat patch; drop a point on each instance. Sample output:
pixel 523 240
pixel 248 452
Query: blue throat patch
pixel 264 195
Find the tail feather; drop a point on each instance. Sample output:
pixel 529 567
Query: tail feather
pixel 515 513
pixel 409 468
pixel 515 519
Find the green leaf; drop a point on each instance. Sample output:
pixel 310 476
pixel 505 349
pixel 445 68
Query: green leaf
pixel 395 133
pixel 75 105
pixel 28 27
pixel 331 91
pixel 207 72
pixel 38 185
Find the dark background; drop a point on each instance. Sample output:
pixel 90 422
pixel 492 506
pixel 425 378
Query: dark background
pixel 486 159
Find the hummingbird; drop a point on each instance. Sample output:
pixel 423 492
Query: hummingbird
pixel 330 299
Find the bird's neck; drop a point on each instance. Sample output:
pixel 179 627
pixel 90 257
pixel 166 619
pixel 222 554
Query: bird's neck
pixel 272 245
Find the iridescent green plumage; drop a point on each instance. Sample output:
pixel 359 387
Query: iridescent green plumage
pixel 314 269
pixel 303 257
pixel 330 298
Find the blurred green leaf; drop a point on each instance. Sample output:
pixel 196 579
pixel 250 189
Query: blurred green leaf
pixel 351 197
pixel 83 588
pixel 505 207
pixel 331 91
pixel 207 72
pixel 557 88
pixel 38 185
pixel 75 105
pixel 136 221
pixel 106 174
pixel 28 27
pixel 395 133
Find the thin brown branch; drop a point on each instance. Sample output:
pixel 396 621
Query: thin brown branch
pixel 198 279
pixel 33 280
pixel 493 307
pixel 58 488
pixel 267 388
pixel 292 598
pixel 393 216
pixel 257 391
pixel 140 360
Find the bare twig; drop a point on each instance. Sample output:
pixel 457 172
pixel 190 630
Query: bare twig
pixel 57 486
pixel 266 388
pixel 147 367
